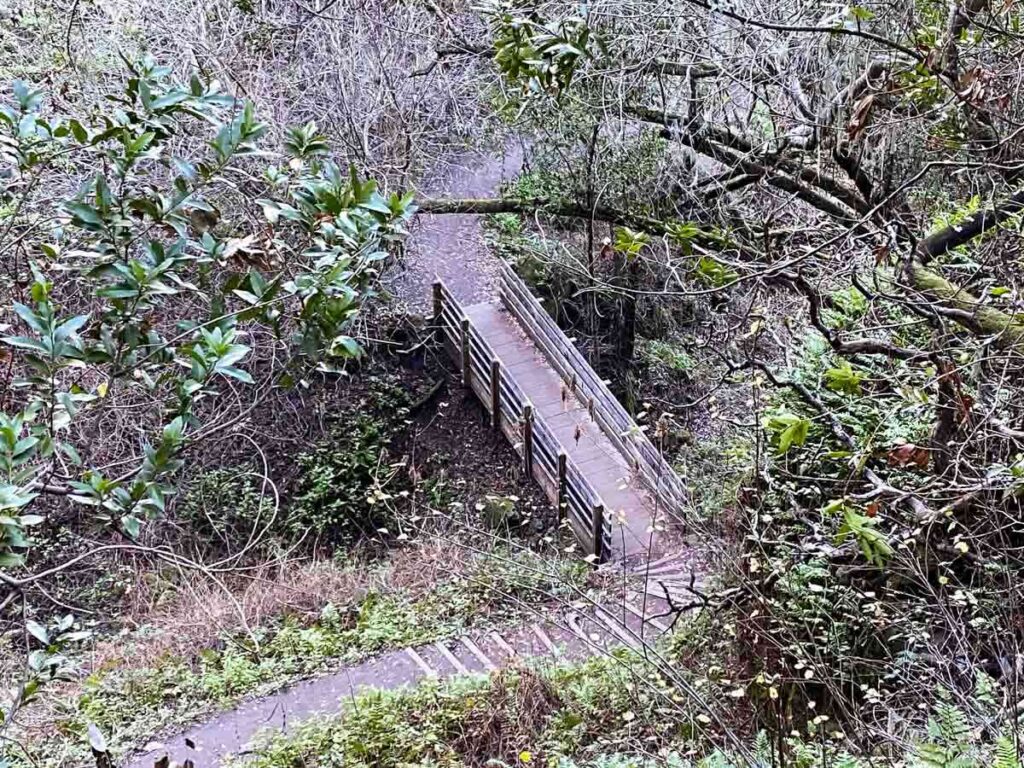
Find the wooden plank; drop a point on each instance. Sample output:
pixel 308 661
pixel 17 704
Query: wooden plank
pixel 496 393
pixel 597 531
pixel 562 491
pixel 452 659
pixel 438 301
pixel 466 364
pixel 528 437
pixel 603 406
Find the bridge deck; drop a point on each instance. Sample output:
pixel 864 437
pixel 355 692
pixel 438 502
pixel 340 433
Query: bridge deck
pixel 628 505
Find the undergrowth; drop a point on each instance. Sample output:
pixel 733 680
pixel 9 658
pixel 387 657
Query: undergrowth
pixel 519 716
pixel 608 712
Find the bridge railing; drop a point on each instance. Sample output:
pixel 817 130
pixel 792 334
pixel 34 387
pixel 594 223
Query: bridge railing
pixel 544 457
pixel 652 469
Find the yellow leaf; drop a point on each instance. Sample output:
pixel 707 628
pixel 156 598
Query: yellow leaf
pixel 525 757
pixel 101 390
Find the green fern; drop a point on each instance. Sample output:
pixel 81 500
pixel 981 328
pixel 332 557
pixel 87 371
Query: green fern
pixel 950 740
pixel 1006 753
pixel 847 761
pixel 949 727
pixel 941 756
pixel 763 749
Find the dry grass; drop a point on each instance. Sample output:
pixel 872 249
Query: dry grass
pixel 518 705
pixel 197 613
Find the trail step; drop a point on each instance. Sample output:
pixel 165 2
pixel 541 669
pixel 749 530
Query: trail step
pixel 543 637
pixel 421 663
pixel 452 658
pixel 646 567
pixel 622 632
pixel 638 612
pixel 500 642
pixel 480 655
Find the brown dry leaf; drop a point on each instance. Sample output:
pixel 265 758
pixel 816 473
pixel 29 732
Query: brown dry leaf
pixel 860 117
pixel 966 404
pixel 909 454
pixel 238 245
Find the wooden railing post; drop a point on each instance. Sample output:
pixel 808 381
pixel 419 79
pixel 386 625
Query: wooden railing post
pixel 528 438
pixel 466 364
pixel 496 393
pixel 438 308
pixel 597 524
pixel 562 500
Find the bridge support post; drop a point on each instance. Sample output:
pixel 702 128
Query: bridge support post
pixel 438 310
pixel 467 365
pixel 496 393
pixel 528 439
pixel 562 500
pixel 597 525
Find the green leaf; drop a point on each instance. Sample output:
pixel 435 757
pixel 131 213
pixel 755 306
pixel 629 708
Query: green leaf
pixel 84 215
pixel 24 342
pixel 844 379
pixel 38 631
pixel 794 434
pixel 345 346
pixel 235 373
pixel 131 526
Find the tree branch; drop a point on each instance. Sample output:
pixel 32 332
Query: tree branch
pixel 955 235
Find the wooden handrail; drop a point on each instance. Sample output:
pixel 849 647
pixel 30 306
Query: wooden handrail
pixel 656 473
pixel 494 385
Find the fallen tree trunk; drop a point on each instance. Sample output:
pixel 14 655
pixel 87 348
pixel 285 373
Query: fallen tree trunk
pixel 1008 329
pixel 564 209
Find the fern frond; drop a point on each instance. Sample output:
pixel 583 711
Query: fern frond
pixel 1006 754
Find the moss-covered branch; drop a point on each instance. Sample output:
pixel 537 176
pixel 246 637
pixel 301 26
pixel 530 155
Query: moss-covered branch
pixel 1009 329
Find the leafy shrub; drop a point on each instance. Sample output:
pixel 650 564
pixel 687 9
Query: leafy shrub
pixel 346 482
pixel 226 504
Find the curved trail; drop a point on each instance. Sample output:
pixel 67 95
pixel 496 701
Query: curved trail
pixel 452 248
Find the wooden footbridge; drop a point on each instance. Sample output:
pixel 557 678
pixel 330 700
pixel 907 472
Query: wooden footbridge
pixel 594 462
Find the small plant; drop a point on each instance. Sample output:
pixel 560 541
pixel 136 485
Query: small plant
pixel 672 356
pixel 346 482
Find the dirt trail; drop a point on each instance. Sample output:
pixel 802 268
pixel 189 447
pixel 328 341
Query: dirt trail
pixel 451 246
